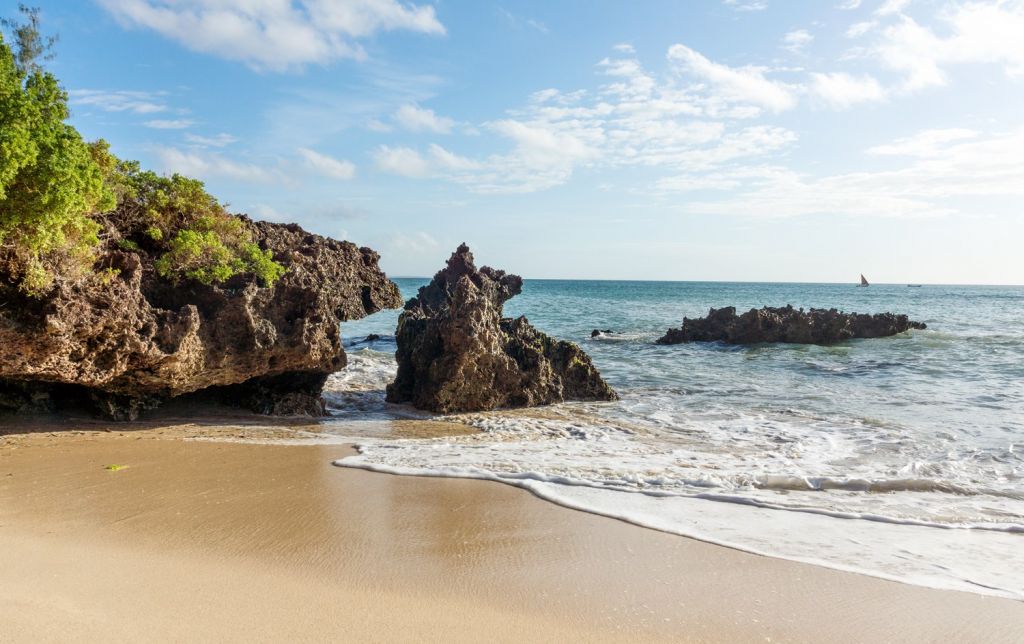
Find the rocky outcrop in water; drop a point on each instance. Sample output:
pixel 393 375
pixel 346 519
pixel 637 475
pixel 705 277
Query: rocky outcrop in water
pixel 457 353
pixel 786 324
pixel 128 342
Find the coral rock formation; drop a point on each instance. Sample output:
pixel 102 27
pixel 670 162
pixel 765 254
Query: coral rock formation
pixel 786 324
pixel 130 342
pixel 457 353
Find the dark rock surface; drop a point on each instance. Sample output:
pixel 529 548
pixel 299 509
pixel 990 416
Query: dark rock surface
pixel 786 324
pixel 457 353
pixel 134 340
pixel 597 332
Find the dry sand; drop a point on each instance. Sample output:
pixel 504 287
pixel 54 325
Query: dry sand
pixel 198 540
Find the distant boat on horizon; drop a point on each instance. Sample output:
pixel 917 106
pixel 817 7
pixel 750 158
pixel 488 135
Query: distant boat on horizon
pixel 913 286
pixel 863 280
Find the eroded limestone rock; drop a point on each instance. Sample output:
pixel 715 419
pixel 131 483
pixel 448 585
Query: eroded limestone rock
pixel 136 339
pixel 786 324
pixel 457 353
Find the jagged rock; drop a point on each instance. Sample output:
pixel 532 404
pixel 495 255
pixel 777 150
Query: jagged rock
pixel 457 353
pixel 136 339
pixel 786 324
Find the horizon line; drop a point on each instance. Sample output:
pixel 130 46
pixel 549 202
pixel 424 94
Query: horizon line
pixel 697 281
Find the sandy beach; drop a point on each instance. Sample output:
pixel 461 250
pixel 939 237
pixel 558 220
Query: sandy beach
pixel 230 541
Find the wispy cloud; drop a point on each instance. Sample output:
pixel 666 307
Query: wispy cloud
pixel 119 100
pixel 207 165
pixel 518 22
pixel 795 41
pixel 326 165
pixel 169 124
pixel 402 161
pixel 842 90
pixel 275 34
pixel 418 119
pixel 677 121
pixel 944 168
pixel 746 84
pixel 747 5
pixel 216 141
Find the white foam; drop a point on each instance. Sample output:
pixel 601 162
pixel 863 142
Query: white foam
pixel 723 461
pixel 952 558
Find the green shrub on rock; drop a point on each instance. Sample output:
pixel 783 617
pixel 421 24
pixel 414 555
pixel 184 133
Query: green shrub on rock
pixel 213 248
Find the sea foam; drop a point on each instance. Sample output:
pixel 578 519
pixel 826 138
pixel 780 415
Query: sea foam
pixel 898 457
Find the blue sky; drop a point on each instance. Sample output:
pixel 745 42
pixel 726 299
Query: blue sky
pixel 722 140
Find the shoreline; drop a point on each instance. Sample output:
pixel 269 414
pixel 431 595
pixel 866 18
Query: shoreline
pixel 275 540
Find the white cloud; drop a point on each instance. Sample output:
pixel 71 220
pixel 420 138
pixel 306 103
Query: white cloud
pixel 747 5
pixel 169 124
pixel 451 161
pixel 541 146
pixel 978 33
pixel 216 141
pixel 327 166
pixel 402 161
pixel 848 5
pixel 841 90
pixel 624 48
pixel 890 7
pixel 418 119
pixel 416 242
pixel 118 101
pixel 925 143
pixel 206 166
pixel 274 34
pixel 741 84
pixel 944 167
pixel 858 29
pixel 636 119
pixel 408 162
pixel 795 41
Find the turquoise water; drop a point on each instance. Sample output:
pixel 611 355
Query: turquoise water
pixel 825 454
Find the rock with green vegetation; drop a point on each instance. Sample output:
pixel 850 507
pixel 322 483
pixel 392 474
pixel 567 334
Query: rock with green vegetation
pixel 120 288
pixel 457 353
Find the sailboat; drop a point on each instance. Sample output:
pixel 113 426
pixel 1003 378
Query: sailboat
pixel 863 280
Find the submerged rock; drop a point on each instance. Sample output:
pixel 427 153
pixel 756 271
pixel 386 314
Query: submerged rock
pixel 457 353
pixel 134 340
pixel 786 324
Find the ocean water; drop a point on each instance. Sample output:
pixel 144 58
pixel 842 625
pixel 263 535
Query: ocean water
pixel 900 457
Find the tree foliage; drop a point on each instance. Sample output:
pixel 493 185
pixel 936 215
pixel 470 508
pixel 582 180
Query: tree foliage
pixel 49 182
pixel 52 184
pixel 32 48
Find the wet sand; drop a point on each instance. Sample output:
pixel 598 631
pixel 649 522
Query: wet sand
pixel 193 539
